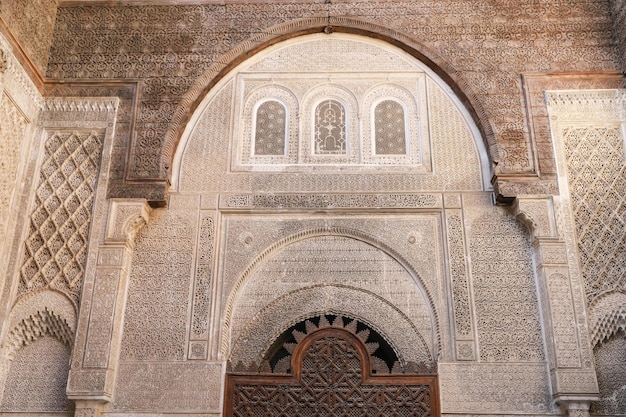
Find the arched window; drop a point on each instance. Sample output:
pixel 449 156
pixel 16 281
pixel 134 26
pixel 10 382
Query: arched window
pixel 330 128
pixel 270 129
pixel 390 128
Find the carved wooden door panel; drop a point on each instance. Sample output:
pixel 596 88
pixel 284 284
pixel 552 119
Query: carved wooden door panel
pixel 331 377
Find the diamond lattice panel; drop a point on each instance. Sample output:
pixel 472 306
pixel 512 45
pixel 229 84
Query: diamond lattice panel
pixel 597 183
pixel 56 247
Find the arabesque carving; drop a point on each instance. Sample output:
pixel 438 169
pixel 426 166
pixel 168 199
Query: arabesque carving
pixel 56 248
pixel 502 259
pixel 126 218
pixel 12 130
pixel 592 156
pixel 235 288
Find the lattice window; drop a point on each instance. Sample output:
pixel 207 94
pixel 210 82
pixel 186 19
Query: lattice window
pixel 383 359
pixel 331 378
pixel 390 128
pixel 270 129
pixel 330 128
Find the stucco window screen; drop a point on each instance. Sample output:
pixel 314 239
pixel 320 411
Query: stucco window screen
pixel 390 128
pixel 270 128
pixel 330 136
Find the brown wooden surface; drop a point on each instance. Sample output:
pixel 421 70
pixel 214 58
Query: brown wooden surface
pixel 331 377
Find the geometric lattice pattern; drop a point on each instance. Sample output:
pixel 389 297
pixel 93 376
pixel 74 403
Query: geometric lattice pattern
pixel 56 248
pixel 390 133
pixel 270 129
pixel 382 356
pixel 330 381
pixel 597 185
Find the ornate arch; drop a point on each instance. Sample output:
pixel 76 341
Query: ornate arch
pixel 607 317
pixel 318 232
pixel 40 324
pixel 203 84
pixel 366 307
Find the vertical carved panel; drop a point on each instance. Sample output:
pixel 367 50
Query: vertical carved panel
pixel 507 313
pixel 11 137
pixel 597 184
pixel 202 287
pixel 56 248
pixel 562 306
pixel 155 321
pixel 463 320
pixel 451 142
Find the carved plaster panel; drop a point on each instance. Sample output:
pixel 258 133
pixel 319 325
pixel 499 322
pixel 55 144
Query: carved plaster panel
pixel 249 241
pixel 189 387
pixel 20 104
pixel 588 127
pixel 37 378
pixel 443 145
pixel 335 260
pixel 501 259
pixel 12 132
pixel 205 38
pixel 157 307
pixel 56 248
pixel 494 388
pixel 331 201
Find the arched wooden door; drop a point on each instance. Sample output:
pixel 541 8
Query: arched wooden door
pixel 331 378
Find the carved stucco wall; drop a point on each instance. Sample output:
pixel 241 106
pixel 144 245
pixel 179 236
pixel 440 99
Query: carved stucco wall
pixel 444 131
pixel 355 277
pixel 20 103
pixel 178 259
pixel 45 272
pixel 24 20
pixel 484 46
pixel 240 255
pixel 588 127
pixel 618 12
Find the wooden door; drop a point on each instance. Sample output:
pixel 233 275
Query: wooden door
pixel 331 378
